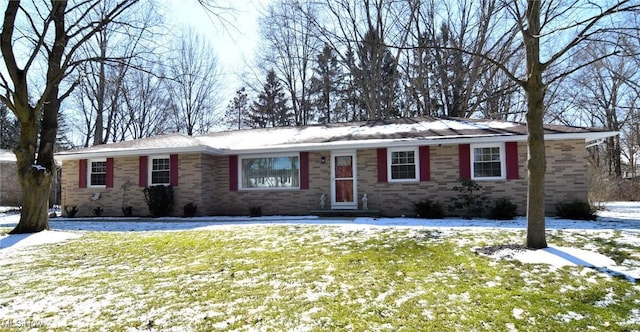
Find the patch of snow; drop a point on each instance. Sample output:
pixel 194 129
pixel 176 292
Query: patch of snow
pixel 327 135
pixel 563 256
pixel 569 316
pixel 16 241
pixel 7 156
pixel 517 313
pixel 38 167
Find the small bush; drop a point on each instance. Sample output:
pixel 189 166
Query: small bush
pixel 190 209
pixel 97 211
pixel 576 210
pixel 127 211
pixel 503 209
pixel 471 202
pixel 71 211
pixel 429 209
pixel 159 200
pixel 255 211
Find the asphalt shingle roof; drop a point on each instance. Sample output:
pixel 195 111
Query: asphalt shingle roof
pixel 343 135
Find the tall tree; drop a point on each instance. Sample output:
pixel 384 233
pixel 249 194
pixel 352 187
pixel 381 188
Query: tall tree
pixel 443 76
pixel 325 83
pixel 271 109
pixel 145 110
pixel 291 41
pixel 194 84
pixel 538 24
pixel 236 116
pixel 114 49
pixel 377 77
pixel 605 93
pixel 39 43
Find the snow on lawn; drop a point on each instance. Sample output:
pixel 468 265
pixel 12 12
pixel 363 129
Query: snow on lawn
pixel 622 217
pixel 620 222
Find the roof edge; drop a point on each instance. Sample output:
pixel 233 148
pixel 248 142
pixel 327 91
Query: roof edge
pixel 70 155
pixel 323 146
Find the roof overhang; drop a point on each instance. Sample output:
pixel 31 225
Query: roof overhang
pixel 107 152
pixel 406 142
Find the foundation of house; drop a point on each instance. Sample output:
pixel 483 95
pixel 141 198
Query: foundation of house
pixel 346 213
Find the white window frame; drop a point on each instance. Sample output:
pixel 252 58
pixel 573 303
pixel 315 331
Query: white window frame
pixel 278 155
pixel 503 162
pixel 89 172
pixel 150 170
pixel 416 158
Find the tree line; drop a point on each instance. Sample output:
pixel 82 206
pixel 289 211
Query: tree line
pixel 340 60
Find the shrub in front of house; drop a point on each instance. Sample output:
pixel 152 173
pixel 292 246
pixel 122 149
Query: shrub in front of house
pixel 470 201
pixel 127 211
pixel 190 209
pixel 71 210
pixel 97 211
pixel 576 210
pixel 429 209
pixel 255 211
pixel 503 209
pixel 159 200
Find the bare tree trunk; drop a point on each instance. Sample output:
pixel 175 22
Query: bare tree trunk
pixel 536 164
pixel 38 116
pixel 35 170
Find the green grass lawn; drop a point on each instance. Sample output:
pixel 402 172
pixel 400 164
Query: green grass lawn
pixel 310 278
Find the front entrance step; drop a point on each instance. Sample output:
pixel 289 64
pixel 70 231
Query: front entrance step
pixel 346 213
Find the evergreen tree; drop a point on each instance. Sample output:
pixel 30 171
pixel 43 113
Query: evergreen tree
pixel 236 116
pixel 271 109
pixel 350 106
pixel 325 83
pixel 376 77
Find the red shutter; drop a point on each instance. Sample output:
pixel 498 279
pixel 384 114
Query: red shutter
pixel 109 172
pixel 511 156
pixel 304 170
pixel 233 173
pixel 382 165
pixel 82 180
pixel 143 175
pixel 464 154
pixel 425 163
pixel 173 170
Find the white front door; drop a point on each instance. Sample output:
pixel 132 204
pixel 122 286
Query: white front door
pixel 344 193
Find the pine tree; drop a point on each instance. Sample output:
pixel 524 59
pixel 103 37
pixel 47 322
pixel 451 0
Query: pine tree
pixel 325 83
pixel 271 109
pixel 376 77
pixel 237 112
pixel 350 106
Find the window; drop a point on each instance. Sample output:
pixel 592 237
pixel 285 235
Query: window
pixel 97 173
pixel 270 172
pixel 488 161
pixel 403 165
pixel 160 171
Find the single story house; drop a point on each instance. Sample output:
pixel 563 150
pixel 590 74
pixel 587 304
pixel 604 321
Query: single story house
pixel 295 170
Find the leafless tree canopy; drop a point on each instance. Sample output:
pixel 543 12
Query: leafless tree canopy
pixel 119 71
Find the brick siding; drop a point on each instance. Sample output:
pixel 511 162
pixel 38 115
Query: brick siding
pixel 204 181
